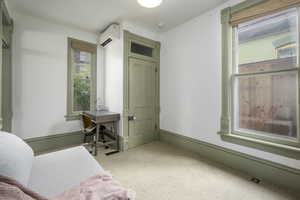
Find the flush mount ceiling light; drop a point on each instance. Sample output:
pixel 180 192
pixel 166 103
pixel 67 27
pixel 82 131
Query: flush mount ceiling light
pixel 149 3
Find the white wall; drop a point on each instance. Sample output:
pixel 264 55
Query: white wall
pixel 113 59
pixel 190 78
pixel 191 83
pixel 40 76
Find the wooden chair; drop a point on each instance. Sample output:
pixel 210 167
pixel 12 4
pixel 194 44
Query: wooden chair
pixel 89 130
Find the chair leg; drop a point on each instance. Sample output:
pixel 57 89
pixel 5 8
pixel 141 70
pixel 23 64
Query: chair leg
pixel 102 136
pixel 95 145
pixel 84 139
pixel 90 145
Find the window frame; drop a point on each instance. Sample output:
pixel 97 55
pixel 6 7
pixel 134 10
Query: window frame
pixel 273 144
pixel 75 115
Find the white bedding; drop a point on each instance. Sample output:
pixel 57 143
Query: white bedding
pixel 55 172
pixel 16 158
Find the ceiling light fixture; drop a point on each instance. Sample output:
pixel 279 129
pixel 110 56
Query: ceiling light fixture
pixel 150 3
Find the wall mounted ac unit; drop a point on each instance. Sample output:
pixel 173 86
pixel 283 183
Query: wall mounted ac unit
pixel 111 33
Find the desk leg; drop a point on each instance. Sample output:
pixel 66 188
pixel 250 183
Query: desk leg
pixel 117 136
pixel 97 139
pixel 115 132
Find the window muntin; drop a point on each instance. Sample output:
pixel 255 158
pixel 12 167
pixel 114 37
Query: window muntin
pixel 265 84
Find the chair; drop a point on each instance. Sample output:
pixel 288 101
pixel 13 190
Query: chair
pixel 89 130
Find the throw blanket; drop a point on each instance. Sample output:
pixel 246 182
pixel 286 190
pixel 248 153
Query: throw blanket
pixel 99 187
pixel 13 190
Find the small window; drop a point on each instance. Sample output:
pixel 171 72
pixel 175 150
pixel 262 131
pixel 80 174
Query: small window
pixel 82 62
pixel 82 75
pixel 286 51
pixel 141 49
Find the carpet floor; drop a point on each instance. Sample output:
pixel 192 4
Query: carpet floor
pixel 158 171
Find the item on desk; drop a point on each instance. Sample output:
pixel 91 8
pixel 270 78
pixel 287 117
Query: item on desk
pixel 102 108
pixel 100 105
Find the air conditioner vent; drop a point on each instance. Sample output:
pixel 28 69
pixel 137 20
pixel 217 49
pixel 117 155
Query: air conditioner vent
pixel 106 42
pixel 112 32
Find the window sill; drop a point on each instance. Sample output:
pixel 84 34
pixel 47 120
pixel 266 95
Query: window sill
pixel 280 149
pixel 72 117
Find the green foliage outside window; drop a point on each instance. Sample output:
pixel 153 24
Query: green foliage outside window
pixel 81 93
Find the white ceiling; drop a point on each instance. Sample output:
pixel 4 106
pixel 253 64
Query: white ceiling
pixel 94 15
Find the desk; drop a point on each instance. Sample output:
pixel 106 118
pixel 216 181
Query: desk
pixel 102 118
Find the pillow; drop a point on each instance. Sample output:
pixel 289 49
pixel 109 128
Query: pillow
pixel 16 158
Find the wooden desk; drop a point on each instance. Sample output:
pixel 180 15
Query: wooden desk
pixel 102 118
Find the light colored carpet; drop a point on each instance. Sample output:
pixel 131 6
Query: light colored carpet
pixel 158 171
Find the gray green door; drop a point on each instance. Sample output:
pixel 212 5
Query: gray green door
pixel 142 101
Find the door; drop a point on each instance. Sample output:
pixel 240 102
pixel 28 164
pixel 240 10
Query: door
pixel 142 101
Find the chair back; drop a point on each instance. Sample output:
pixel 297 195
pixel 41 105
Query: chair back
pixel 86 121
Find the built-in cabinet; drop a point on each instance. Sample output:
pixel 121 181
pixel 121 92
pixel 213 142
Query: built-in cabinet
pixel 6 31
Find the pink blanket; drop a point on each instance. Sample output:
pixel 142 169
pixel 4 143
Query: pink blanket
pixel 13 190
pixel 99 187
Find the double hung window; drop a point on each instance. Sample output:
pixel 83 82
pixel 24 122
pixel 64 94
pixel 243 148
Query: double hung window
pixel 260 77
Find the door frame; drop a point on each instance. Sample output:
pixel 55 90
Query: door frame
pixel 6 32
pixel 128 38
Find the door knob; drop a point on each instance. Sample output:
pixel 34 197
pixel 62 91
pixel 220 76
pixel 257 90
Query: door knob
pixel 131 118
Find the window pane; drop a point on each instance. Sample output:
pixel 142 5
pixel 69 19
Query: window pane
pixel 268 43
pixel 81 80
pixel 81 95
pixel 82 57
pixel 267 104
pixel 82 64
pixel 141 49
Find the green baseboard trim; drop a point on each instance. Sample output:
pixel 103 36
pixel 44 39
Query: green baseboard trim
pixel 253 166
pixel 127 143
pixel 52 142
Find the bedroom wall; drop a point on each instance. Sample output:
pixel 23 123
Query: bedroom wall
pixel 191 83
pixel 113 62
pixel 40 76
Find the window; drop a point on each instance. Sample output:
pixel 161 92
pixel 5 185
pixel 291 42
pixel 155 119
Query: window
pixel 81 78
pixel 260 84
pixel 141 49
pixel 285 51
pixel 266 103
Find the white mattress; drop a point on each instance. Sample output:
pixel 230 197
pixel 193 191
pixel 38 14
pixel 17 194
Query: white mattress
pixel 55 172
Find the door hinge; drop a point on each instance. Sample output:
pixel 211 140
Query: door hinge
pixel 156 126
pixel 156 70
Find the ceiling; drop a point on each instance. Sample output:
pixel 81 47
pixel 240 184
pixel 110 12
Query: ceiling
pixel 95 15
